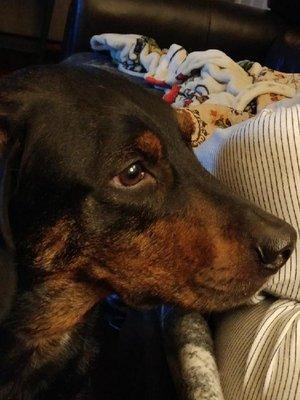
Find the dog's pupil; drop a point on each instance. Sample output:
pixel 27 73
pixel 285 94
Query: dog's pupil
pixel 134 171
pixel 132 175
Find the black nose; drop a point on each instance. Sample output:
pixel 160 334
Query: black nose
pixel 276 244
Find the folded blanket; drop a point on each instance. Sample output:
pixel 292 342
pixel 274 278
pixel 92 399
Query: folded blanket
pixel 233 91
pixel 200 73
pixel 190 352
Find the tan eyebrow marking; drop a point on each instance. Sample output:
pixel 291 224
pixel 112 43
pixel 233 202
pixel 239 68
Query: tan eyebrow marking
pixel 150 144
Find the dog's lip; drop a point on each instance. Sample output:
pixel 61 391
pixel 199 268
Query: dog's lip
pixel 218 286
pixel 200 287
pixel 242 288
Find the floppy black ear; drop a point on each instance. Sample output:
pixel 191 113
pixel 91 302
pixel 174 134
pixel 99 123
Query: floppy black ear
pixel 13 102
pixel 7 269
pixel 7 283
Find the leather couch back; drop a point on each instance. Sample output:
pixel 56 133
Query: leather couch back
pixel 241 31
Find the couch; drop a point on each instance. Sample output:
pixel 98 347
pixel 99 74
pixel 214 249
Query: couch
pixel 270 37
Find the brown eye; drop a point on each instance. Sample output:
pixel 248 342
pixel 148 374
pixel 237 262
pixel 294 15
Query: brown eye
pixel 132 175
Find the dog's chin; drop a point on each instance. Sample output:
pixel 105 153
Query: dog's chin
pixel 196 295
pixel 216 300
pixel 216 305
pixel 142 303
pixel 204 301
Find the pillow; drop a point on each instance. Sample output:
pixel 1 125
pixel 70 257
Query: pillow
pixel 259 159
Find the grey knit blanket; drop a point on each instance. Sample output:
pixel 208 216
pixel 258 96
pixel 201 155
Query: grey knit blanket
pixel 190 354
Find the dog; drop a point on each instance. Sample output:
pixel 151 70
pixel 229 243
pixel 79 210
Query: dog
pixel 101 193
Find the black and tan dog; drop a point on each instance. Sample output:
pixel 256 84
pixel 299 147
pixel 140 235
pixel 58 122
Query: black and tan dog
pixel 101 194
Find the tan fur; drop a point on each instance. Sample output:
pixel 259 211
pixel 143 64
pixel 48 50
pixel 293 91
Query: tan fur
pixel 53 243
pixel 150 144
pixel 185 123
pixel 58 304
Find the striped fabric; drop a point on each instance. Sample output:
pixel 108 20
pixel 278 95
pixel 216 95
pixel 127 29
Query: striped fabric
pixel 258 347
pixel 258 351
pixel 260 160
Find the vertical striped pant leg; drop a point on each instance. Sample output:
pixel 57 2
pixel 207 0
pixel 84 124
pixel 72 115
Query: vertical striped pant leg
pixel 258 351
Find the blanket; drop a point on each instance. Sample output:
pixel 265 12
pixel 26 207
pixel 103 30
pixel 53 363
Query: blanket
pixel 190 353
pixel 208 88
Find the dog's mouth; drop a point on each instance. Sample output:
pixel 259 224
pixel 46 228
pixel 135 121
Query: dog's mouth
pixel 229 295
pixel 198 296
pixel 192 281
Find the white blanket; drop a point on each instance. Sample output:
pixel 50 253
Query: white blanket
pixel 209 75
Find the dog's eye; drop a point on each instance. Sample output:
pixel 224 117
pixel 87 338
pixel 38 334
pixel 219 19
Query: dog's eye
pixel 132 176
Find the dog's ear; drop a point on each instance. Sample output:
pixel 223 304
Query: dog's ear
pixel 7 282
pixel 8 152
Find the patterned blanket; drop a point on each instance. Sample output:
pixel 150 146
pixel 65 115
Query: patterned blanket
pixel 208 88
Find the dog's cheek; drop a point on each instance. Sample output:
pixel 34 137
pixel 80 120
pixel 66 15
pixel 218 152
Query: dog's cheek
pixel 158 263
pixel 53 246
pixel 182 262
pixel 233 276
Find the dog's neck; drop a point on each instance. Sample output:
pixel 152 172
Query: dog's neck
pixel 55 292
pixel 46 325
pixel 52 308
pixel 50 323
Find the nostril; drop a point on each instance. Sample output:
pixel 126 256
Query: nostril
pixel 274 242
pixel 273 258
pixel 263 255
pixel 286 254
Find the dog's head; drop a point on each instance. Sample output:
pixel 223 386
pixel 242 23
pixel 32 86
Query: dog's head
pixel 103 191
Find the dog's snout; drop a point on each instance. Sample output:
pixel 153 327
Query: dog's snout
pixel 275 244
